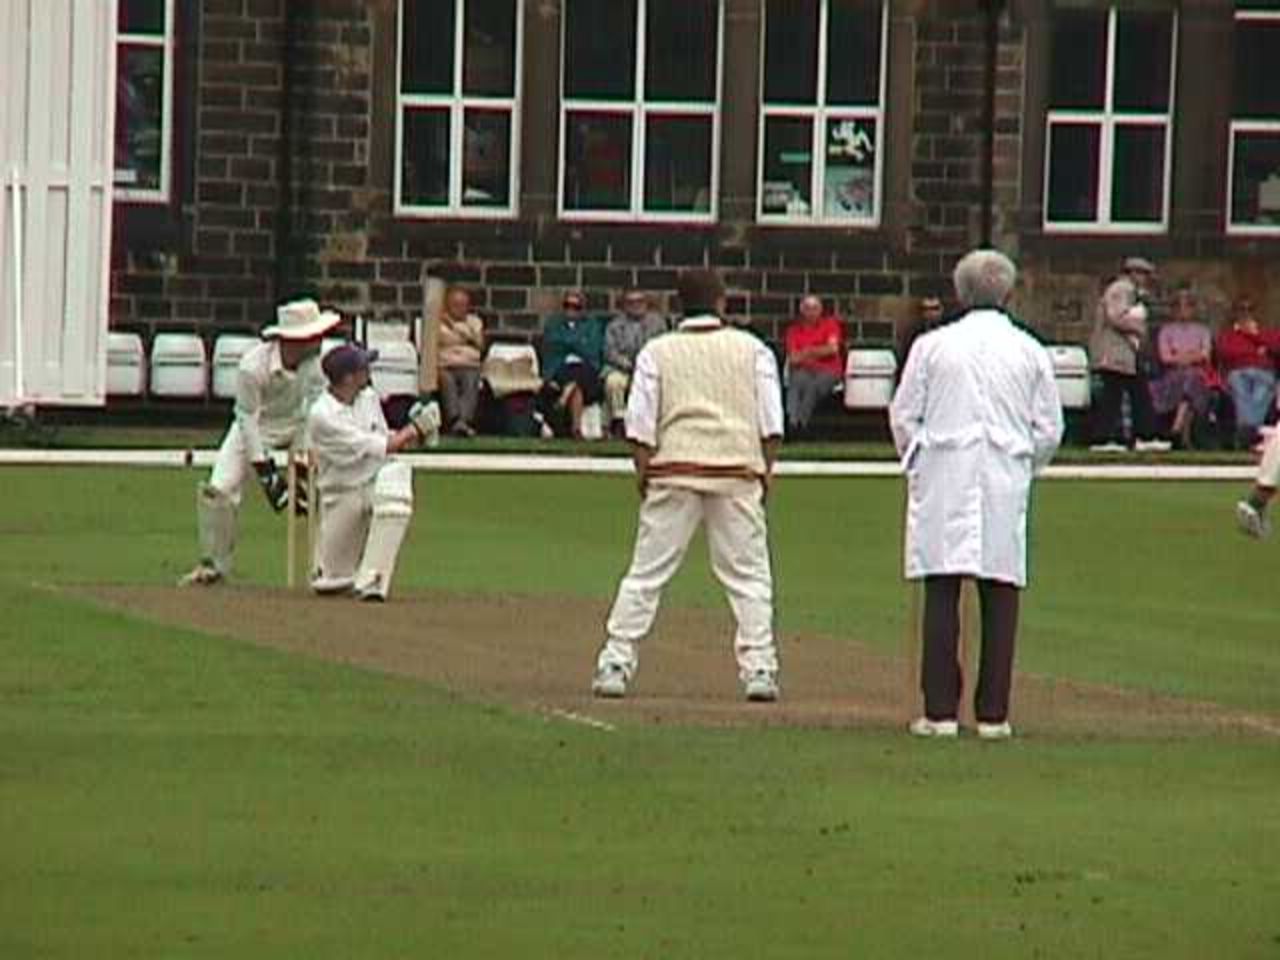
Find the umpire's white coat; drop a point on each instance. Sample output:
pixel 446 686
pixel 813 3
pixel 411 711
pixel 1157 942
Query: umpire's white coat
pixel 975 415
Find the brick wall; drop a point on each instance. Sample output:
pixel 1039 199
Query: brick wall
pixel 222 268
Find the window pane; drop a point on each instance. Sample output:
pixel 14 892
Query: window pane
pixel 791 52
pixel 1255 193
pixel 1255 189
pixel 681 50
pixel 426 48
pixel 853 52
pixel 141 16
pixel 677 164
pixel 1079 59
pixel 425 174
pixel 486 158
pixel 850 189
pixel 139 117
pixel 1143 53
pixel 597 163
pixel 1073 173
pixel 788 166
pixel 1257 52
pixel 1137 190
pixel 600 49
pixel 489 55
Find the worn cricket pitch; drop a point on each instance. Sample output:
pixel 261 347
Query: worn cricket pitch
pixel 537 653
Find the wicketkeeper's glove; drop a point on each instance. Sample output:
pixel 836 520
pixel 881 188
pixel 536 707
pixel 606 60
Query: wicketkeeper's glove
pixel 274 486
pixel 425 418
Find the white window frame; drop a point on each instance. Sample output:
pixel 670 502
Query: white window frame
pixel 1108 120
pixel 819 115
pixel 161 195
pixel 457 104
pixel 1247 127
pixel 640 109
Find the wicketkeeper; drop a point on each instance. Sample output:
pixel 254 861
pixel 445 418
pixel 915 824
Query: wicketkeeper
pixel 277 382
pixel 365 497
pixel 704 420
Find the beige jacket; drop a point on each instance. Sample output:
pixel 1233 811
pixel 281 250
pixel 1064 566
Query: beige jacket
pixel 461 343
pixel 1119 328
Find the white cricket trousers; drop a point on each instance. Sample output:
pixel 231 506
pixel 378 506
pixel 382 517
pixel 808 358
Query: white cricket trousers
pixel 1269 468
pixel 738 541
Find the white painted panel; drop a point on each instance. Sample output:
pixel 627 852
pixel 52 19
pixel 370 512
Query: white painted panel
pixel 56 138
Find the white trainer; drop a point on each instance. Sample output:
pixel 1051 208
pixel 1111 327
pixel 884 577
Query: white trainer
pixel 995 731
pixel 1108 448
pixel 610 682
pixel 204 574
pixel 924 727
pixel 1252 521
pixel 1152 446
pixel 761 687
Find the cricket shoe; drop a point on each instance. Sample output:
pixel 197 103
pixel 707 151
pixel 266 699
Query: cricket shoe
pixel 1252 521
pixel 610 682
pixel 1108 448
pixel 761 687
pixel 924 727
pixel 1152 446
pixel 995 731
pixel 204 574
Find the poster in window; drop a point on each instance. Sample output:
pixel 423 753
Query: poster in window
pixel 849 189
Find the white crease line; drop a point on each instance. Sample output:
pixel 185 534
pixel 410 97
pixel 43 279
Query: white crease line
pixel 585 721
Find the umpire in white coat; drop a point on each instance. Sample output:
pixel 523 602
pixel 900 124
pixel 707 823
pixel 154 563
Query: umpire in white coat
pixel 365 496
pixel 975 416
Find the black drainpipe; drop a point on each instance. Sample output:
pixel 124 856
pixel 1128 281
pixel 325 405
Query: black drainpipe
pixel 992 9
pixel 283 277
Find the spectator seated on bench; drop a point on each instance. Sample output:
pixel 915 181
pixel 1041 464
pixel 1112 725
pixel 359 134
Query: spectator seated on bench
pixel 1185 388
pixel 1247 357
pixel 572 356
pixel 815 362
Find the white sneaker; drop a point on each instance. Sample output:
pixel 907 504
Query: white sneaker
pixel 1109 448
pixel 1252 521
pixel 995 731
pixel 1152 446
pixel 204 574
pixel 924 727
pixel 761 687
pixel 610 682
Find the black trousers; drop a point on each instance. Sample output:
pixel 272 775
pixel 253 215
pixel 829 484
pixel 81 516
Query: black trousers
pixel 941 678
pixel 1106 426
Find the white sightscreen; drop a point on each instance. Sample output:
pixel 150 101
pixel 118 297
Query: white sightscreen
pixel 57 113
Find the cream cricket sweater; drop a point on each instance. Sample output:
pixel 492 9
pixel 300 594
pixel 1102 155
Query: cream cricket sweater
pixel 707 410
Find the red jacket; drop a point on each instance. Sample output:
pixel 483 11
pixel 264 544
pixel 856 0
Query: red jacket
pixel 803 336
pixel 1237 350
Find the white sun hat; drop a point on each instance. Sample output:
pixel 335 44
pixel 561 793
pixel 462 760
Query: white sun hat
pixel 301 320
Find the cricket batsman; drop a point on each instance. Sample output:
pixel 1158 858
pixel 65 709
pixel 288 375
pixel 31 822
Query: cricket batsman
pixel 704 420
pixel 365 496
pixel 277 382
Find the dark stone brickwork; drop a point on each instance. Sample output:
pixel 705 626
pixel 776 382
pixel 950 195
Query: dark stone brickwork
pixel 233 255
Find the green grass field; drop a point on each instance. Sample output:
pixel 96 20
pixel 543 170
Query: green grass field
pixel 168 794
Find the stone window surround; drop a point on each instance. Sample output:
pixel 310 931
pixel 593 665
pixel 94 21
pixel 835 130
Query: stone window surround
pixel 1198 198
pixel 159 225
pixel 735 224
pixel 458 103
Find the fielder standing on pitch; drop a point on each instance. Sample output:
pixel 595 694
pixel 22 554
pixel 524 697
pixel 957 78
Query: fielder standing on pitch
pixel 704 420
pixel 976 415
pixel 365 497
pixel 277 382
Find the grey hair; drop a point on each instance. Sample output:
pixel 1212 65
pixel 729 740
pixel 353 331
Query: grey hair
pixel 984 278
